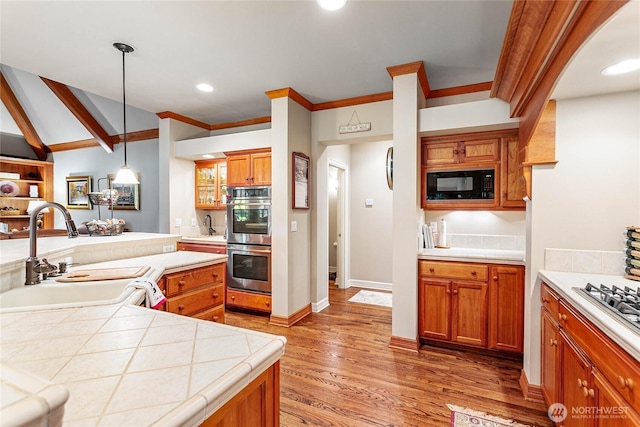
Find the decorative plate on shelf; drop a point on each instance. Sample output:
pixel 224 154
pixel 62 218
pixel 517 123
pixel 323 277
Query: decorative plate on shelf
pixel 8 188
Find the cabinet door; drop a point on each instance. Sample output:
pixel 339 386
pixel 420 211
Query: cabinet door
pixel 512 182
pixel 615 411
pixel 222 185
pixel 479 151
pixel 469 313
pixel 238 170
pixel 440 153
pixel 506 308
pixel 261 169
pixel 435 309
pixel 577 390
pixel 550 354
pixel 206 181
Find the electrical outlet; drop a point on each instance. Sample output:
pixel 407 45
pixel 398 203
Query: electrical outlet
pixel 168 248
pixel 193 222
pixel 178 222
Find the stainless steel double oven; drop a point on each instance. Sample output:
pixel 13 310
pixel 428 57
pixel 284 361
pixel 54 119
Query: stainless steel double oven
pixel 249 239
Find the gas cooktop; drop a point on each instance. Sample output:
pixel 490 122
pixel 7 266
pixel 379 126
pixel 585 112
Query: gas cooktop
pixel 624 304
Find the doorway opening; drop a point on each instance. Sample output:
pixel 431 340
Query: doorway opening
pixel 337 212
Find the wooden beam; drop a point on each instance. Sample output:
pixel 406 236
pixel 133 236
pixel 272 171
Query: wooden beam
pixel 10 101
pixel 541 39
pixel 81 113
pixel 142 135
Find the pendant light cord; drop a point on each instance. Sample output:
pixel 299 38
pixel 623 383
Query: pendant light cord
pixel 124 109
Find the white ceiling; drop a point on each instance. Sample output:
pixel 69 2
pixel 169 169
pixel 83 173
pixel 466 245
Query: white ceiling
pixel 244 48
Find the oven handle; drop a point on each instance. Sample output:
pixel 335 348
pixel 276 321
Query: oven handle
pixel 250 251
pixel 249 204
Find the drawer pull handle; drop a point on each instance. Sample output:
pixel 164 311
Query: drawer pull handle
pixel 215 295
pixel 181 283
pixel 432 270
pixel 267 303
pixel 562 316
pixel 215 318
pixel 625 382
pixel 181 307
pixel 233 297
pixel 553 342
pixel 473 273
pixel 215 275
pixel 587 392
pixel 579 383
pixel 495 278
pixel 545 300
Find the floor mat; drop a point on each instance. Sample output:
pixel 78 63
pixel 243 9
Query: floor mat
pixel 372 297
pixel 464 417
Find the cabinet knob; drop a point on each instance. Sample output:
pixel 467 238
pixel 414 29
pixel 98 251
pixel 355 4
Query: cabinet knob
pixel 181 283
pixel 455 151
pixel 455 292
pixel 625 382
pixel 545 300
pixel 579 383
pixel 448 291
pixel 267 303
pixel 181 307
pixel 473 273
pixel 215 275
pixel 562 316
pixel 233 297
pixel 495 278
pixel 215 318
pixel 431 270
pixel 215 295
pixel 553 342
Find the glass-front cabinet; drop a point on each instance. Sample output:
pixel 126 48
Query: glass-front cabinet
pixel 211 184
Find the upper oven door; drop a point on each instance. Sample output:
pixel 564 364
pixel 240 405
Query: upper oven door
pixel 249 222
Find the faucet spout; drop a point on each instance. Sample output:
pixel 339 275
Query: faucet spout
pixel 211 230
pixel 32 276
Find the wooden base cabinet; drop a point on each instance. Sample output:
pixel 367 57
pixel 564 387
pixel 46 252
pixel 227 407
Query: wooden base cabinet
pixel 251 301
pixel 458 304
pixel 198 292
pixel 586 371
pixel 202 247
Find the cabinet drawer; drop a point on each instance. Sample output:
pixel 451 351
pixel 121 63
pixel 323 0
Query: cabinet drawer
pixel 202 247
pixel 215 314
pixel 550 300
pixel 453 270
pixel 195 301
pixel 249 300
pixel 184 281
pixel 614 363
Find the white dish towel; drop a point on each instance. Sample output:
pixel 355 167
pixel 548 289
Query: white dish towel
pixel 154 298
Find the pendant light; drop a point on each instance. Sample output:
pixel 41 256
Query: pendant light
pixel 125 175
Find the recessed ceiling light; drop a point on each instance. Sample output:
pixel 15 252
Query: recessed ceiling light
pixel 622 67
pixel 331 4
pixel 208 156
pixel 205 87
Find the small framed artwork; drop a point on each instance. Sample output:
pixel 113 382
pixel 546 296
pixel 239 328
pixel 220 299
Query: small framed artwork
pixel 78 189
pixel 128 194
pixel 300 181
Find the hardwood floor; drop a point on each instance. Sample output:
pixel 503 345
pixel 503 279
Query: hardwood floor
pixel 338 370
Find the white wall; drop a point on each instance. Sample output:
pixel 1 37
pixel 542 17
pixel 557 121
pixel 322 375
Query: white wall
pixel 588 198
pixel 510 223
pixel 371 227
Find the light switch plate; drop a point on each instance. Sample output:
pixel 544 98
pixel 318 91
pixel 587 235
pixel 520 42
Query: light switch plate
pixel 294 225
pixel 193 222
pixel 178 222
pixel 368 202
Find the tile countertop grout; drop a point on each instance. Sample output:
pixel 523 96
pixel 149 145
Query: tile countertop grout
pixel 627 336
pixel 220 352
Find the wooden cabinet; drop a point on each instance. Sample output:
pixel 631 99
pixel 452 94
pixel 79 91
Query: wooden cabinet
pixel 202 247
pixel 248 168
pixel 211 184
pixel 512 185
pixel 198 292
pixel 496 150
pixel 506 308
pixel 459 304
pixel 248 301
pixel 584 369
pixel 457 152
pixel 32 173
pixel 453 302
pixel 258 404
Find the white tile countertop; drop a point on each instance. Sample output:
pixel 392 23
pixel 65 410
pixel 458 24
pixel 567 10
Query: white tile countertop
pixel 207 240
pixel 565 283
pixel 491 256
pixel 122 364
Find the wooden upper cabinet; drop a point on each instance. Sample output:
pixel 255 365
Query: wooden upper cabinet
pixel 457 152
pixel 512 183
pixel 211 184
pixel 248 168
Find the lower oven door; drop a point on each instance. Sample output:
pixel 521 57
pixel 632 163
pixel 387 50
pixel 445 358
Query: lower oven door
pixel 249 268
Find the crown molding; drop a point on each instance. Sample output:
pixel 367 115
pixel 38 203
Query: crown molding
pixel 290 93
pixel 183 119
pixel 411 68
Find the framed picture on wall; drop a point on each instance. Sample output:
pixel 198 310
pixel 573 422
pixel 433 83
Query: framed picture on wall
pixel 78 189
pixel 128 194
pixel 300 190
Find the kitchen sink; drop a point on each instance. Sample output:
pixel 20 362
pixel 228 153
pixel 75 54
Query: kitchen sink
pixel 64 295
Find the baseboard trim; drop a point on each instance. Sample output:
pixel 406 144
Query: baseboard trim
pixel 291 320
pixel 406 344
pixel 532 393
pixel 317 307
pixel 383 286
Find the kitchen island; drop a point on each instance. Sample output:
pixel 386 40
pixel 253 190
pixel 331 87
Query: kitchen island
pixel 122 364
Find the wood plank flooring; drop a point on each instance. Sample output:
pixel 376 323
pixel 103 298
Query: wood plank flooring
pixel 338 370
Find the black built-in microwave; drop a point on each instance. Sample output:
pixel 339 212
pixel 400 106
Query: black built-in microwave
pixel 476 184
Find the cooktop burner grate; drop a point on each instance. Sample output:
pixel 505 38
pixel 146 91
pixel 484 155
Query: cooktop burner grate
pixel 624 303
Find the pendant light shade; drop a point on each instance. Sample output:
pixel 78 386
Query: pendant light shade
pixel 124 175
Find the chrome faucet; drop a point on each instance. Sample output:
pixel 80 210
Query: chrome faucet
pixel 211 230
pixel 33 268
